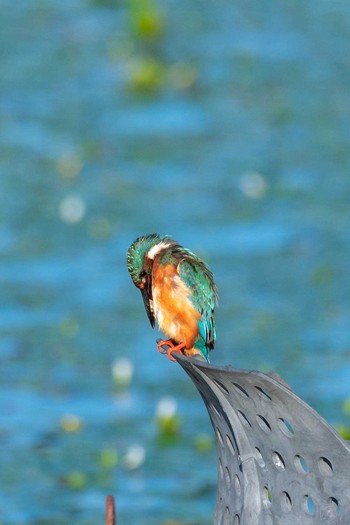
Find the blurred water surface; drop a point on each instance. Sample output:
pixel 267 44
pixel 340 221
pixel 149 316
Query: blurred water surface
pixel 225 124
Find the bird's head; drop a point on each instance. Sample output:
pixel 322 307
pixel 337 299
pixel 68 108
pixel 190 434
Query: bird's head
pixel 139 259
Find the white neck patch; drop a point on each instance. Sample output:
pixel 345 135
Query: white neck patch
pixel 157 248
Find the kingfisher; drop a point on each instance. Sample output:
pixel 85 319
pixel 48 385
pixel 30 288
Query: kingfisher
pixel 178 292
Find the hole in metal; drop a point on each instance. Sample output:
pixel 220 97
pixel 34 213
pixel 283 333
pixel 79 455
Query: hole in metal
pixel 333 508
pixel 264 395
pixel 237 520
pixel 230 445
pixel 308 504
pixel 215 410
pixel 286 502
pixel 285 427
pixel 325 467
pixel 300 464
pixel 263 424
pixel 226 517
pixel 259 458
pixel 241 390
pixel 221 386
pixel 278 461
pixel 218 433
pixel 221 471
pixel 227 477
pixel 267 497
pixel 244 419
pixel 237 484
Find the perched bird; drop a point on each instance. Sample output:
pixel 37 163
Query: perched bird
pixel 178 291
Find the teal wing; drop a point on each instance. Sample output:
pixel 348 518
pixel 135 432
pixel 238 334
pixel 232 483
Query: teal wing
pixel 199 279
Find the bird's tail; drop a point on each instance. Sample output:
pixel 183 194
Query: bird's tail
pixel 198 350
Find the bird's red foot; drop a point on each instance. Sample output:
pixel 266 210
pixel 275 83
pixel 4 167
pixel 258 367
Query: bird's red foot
pixel 168 343
pixel 171 347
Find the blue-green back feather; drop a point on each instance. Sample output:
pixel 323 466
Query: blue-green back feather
pixel 197 276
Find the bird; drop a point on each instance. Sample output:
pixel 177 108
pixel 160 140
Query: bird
pixel 178 292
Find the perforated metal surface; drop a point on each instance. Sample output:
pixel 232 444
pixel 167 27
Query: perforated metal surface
pixel 279 462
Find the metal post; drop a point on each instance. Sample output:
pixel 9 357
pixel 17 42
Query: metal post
pixel 279 461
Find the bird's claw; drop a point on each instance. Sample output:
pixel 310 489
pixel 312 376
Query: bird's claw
pixel 170 347
pixel 164 345
pixel 171 351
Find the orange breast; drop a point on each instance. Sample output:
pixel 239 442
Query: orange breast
pixel 175 314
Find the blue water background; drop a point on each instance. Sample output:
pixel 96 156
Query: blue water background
pixel 227 127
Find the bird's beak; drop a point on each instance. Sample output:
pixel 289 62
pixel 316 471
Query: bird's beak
pixel 146 292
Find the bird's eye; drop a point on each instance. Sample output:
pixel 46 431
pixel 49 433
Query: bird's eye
pixel 143 273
